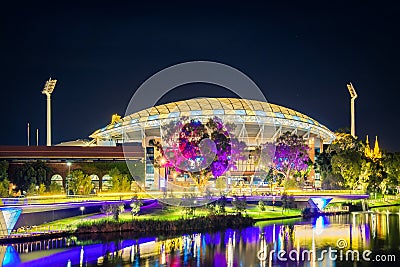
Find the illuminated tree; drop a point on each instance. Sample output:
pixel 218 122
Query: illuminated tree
pixel 200 150
pixel 4 183
pixel 348 164
pixel 391 165
pixel 81 183
pixel 120 182
pixel 291 155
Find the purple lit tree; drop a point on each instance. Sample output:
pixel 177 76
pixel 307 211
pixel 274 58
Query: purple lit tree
pixel 291 155
pixel 200 150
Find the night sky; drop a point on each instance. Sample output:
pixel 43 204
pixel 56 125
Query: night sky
pixel 300 54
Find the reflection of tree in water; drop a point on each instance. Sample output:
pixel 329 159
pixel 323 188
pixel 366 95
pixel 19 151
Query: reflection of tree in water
pixel 287 234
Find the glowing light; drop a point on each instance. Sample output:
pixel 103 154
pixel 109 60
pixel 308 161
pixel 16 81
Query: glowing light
pixel 320 202
pixel 8 219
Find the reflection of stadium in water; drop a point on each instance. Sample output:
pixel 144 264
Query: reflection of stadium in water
pixel 226 248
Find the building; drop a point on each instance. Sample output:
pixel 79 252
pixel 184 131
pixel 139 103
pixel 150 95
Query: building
pixel 257 123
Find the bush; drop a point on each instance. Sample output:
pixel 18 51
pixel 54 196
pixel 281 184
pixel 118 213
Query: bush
pixel 239 204
pixel 261 205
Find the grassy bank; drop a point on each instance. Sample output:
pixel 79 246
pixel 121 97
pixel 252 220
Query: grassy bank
pixel 158 214
pixel 147 226
pixel 383 203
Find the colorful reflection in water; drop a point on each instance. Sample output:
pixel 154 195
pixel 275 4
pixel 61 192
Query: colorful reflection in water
pixel 377 231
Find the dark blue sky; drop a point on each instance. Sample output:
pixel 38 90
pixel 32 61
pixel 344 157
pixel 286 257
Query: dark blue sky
pixel 300 54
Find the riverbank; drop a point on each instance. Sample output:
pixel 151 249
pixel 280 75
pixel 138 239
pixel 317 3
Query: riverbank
pixel 68 226
pixel 381 203
pixel 161 227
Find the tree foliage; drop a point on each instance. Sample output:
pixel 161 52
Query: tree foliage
pixel 291 155
pixel 239 204
pixel 106 209
pixel 135 206
pixel 80 183
pixel 32 173
pixel 120 181
pixel 348 164
pixel 55 188
pixel 4 188
pixel 3 170
pixel 4 183
pixel 200 150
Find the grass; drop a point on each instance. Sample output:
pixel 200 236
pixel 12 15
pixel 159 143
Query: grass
pixel 383 202
pixel 168 214
pixel 271 212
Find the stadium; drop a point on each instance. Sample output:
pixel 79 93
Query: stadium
pixel 256 123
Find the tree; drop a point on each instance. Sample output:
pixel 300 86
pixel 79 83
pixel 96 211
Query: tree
pixel 4 188
pixel 120 182
pixel 32 173
pixel 332 181
pixel 239 204
pixel 220 205
pixel 80 183
pixel 3 170
pixel 261 205
pixel 348 164
pixel 116 210
pixel 189 204
pixel 135 206
pixel 55 188
pixel 291 155
pixel 106 209
pixel 4 183
pixel 391 165
pixel 200 150
pixel 41 189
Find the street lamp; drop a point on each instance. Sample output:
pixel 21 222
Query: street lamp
pixel 82 209
pixel 69 174
pixel 48 90
pixel 163 161
pixel 37 190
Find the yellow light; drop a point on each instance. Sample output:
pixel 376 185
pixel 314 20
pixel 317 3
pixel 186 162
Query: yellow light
pixel 163 161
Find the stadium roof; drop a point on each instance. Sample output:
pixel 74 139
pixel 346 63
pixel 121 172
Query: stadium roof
pixel 210 107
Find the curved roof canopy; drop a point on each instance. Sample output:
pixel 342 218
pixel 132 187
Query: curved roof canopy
pixel 217 107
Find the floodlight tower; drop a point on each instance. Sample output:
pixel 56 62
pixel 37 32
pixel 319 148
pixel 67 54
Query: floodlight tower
pixel 353 96
pixel 48 90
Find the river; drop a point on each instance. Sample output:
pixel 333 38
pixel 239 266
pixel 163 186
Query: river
pixel 356 239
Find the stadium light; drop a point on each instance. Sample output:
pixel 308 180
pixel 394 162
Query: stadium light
pixel 48 90
pixel 353 96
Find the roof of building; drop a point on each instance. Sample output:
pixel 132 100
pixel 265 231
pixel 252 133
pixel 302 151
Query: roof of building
pixel 213 107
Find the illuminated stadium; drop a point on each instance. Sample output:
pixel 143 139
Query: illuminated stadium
pixel 256 123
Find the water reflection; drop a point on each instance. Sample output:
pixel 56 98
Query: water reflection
pixel 377 231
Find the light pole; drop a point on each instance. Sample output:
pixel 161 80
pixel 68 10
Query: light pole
pixel 163 161
pixel 37 190
pixel 48 90
pixel 353 96
pixel 82 209
pixel 69 173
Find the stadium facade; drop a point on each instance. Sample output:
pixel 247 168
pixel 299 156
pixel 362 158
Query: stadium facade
pixel 256 123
